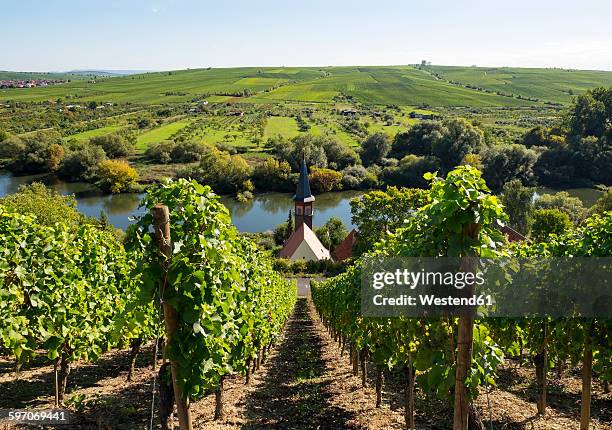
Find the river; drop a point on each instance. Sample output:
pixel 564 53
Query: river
pixel 262 213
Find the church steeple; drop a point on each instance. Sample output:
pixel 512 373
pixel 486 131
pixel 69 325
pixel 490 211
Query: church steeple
pixel 303 198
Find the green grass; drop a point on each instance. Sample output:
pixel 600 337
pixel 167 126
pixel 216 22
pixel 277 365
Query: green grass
pixel 401 85
pixel 286 127
pixel 86 135
pixel 159 134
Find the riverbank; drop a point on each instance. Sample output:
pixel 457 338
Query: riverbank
pixel 264 212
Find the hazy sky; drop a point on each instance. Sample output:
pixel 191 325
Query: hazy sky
pixel 58 35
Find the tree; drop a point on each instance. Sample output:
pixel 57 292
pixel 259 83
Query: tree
pixel 339 156
pixel 461 138
pixel 160 152
pixel 545 222
pixel 283 231
pixel 377 213
pixel 273 174
pixel 324 180
pixel 56 153
pixel 332 233
pixel 503 163
pixel 358 177
pixel 187 152
pixel 114 145
pixel 555 168
pixel 588 114
pixel 375 148
pixel 33 153
pixel 116 176
pixel 302 146
pixel 518 204
pixel 572 206
pixel 419 140
pixel 410 170
pixel 603 203
pixel 592 158
pixel 82 165
pixel 49 206
pixel 225 173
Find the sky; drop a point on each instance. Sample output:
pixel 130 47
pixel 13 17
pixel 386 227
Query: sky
pixel 61 35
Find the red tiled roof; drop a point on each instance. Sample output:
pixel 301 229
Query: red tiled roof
pixel 512 235
pixel 345 249
pixel 304 234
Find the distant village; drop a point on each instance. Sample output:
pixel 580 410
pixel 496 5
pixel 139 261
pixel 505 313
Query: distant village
pixel 30 83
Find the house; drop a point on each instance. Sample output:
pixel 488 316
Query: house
pixel 303 244
pixel 348 112
pixel 426 116
pixel 344 250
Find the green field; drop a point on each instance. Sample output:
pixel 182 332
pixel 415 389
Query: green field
pixel 279 125
pixel 401 85
pixel 86 135
pixel 159 134
pixel 557 85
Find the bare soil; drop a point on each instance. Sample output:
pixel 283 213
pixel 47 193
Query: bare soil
pixel 305 383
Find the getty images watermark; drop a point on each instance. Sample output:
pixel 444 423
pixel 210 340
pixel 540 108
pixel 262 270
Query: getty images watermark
pixel 508 287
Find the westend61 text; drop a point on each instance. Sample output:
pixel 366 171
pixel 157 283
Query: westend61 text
pixel 431 300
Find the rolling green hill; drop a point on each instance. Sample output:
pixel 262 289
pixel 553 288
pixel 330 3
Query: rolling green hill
pixel 5 75
pixel 401 85
pixel 557 85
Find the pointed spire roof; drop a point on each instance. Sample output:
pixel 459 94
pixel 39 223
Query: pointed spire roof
pixel 303 193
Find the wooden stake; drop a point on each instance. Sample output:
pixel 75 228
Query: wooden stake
pixel 465 339
pixel 587 378
pixel 161 222
pixel 219 400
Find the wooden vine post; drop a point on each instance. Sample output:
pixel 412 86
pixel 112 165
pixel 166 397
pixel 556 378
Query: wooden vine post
pixel 465 341
pixel 161 221
pixel 587 377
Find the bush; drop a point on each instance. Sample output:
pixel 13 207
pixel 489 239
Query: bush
pixel 116 176
pixel 324 180
pixel 572 206
pixel 604 202
pixel 160 152
pixel 244 196
pixel 48 205
pixel 114 145
pixel 188 152
pixel 545 222
pixel 34 153
pixel 82 165
pixel 358 177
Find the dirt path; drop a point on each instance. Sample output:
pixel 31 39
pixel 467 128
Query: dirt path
pixel 303 385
